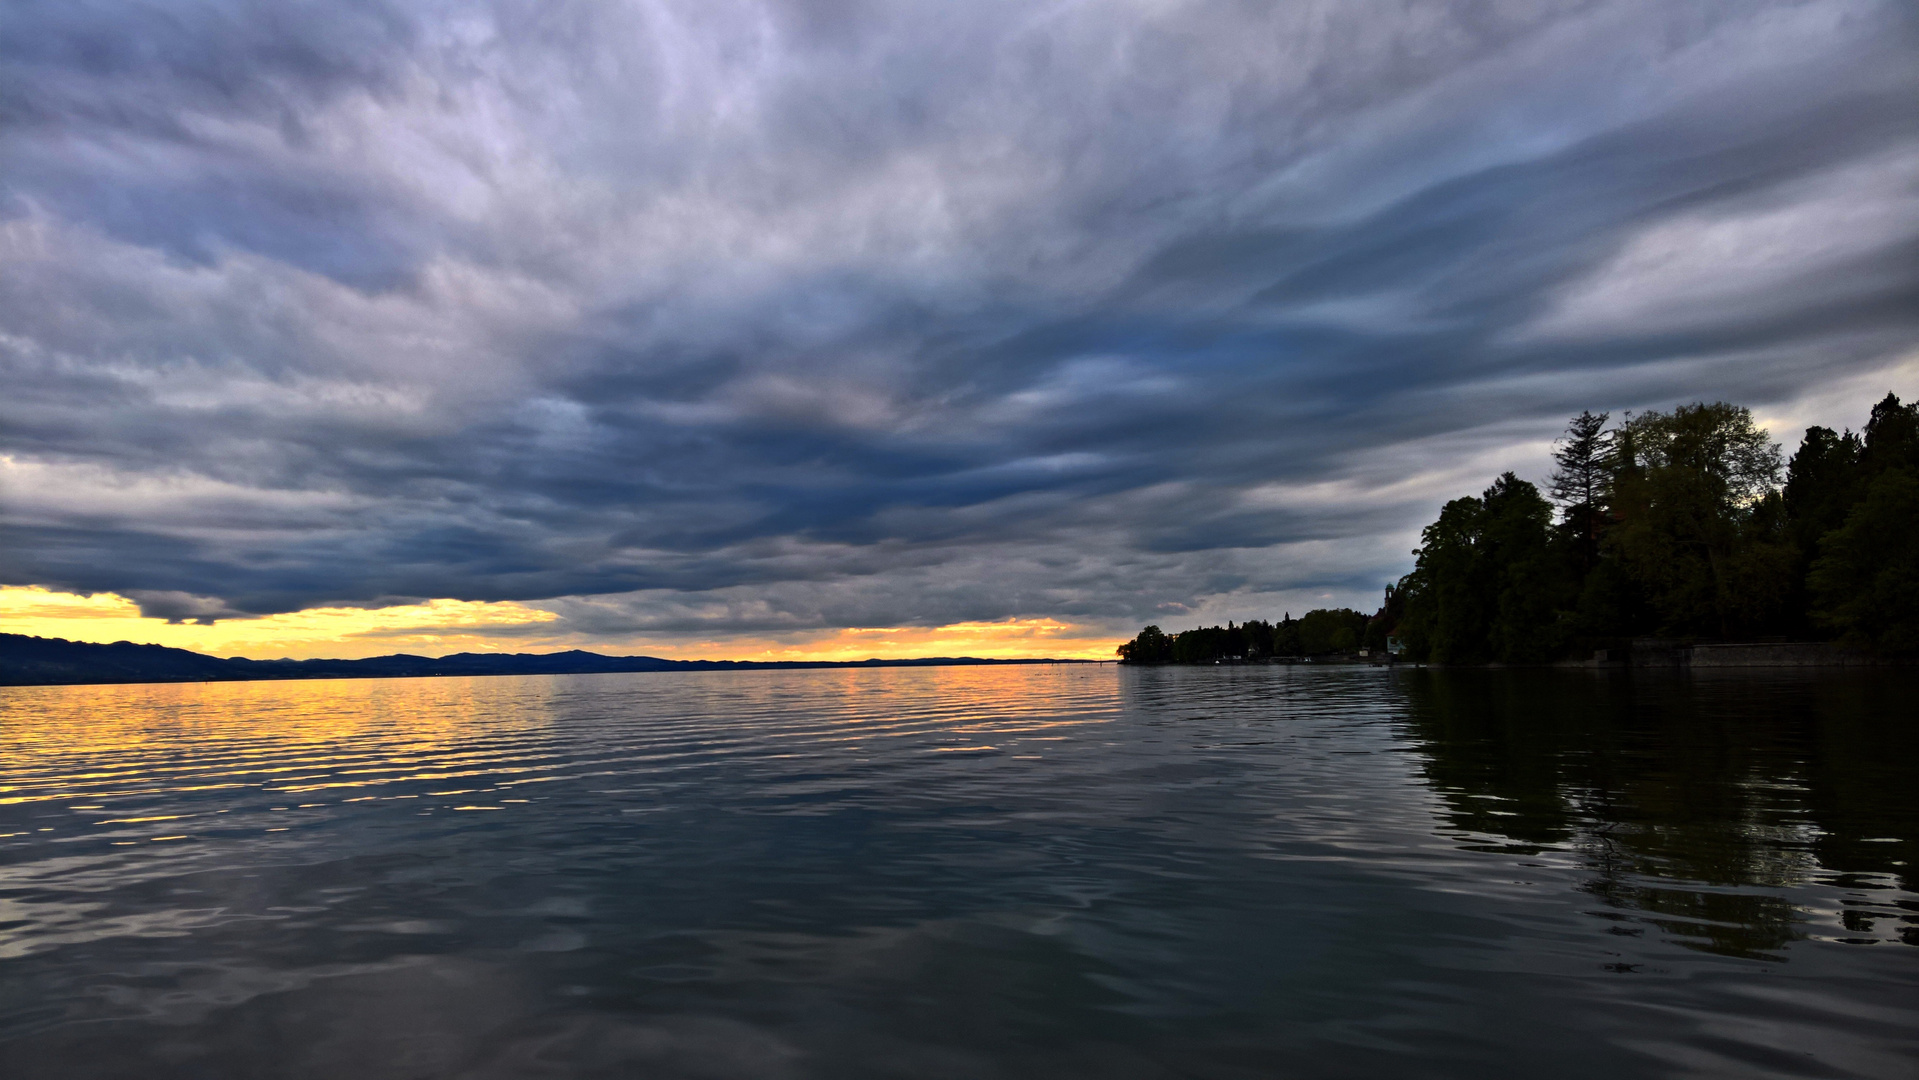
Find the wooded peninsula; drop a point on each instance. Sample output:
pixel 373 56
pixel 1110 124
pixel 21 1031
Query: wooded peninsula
pixel 1685 525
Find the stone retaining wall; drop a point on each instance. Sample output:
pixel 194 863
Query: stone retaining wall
pixel 1790 654
pixel 1653 652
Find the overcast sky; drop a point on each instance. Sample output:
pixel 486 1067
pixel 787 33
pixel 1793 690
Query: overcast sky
pixel 747 319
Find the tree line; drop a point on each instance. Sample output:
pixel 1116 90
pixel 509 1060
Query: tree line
pixel 1318 633
pixel 1685 524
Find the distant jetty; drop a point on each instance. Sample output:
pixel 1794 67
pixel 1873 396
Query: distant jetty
pixel 38 661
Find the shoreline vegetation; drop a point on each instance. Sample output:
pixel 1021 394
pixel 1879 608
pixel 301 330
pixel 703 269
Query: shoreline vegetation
pixel 37 661
pixel 1669 537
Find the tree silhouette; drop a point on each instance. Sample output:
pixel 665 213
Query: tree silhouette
pixel 1671 523
pixel 1581 479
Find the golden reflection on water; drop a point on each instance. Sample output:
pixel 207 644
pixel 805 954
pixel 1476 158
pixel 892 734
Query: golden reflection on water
pixel 125 741
pixel 1697 808
pixel 224 875
pixel 297 716
pixel 92 742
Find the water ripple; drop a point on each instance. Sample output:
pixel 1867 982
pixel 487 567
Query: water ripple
pixel 1050 870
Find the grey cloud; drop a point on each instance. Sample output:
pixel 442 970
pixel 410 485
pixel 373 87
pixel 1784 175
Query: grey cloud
pixel 778 317
pixel 178 607
pixel 124 116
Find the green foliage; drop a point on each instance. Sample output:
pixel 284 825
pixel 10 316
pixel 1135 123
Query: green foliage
pixel 1822 482
pixel 1487 585
pixel 1152 646
pixel 1582 482
pixel 1892 438
pixel 1286 640
pixel 1203 645
pixel 1685 501
pixel 1612 603
pixel 1200 645
pixel 1865 582
pixel 1671 524
pixel 1330 630
pixel 1319 633
pixel 1723 458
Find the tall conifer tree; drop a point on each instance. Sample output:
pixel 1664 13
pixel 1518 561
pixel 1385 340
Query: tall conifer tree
pixel 1583 457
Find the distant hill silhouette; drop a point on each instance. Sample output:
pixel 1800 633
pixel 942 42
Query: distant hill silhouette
pixel 37 661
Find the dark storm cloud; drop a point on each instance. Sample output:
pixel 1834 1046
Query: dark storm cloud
pixel 766 317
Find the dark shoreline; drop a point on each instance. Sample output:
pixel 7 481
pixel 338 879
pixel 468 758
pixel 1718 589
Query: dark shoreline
pixel 1643 654
pixel 37 661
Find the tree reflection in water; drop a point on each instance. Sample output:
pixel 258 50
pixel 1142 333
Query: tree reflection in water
pixel 1699 800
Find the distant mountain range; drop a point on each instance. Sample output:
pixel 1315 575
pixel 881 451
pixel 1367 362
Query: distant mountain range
pixel 37 661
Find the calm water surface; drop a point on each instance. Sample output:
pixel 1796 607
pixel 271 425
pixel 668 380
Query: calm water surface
pixel 1035 872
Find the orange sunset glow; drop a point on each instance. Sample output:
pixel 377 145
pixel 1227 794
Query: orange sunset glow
pixel 438 627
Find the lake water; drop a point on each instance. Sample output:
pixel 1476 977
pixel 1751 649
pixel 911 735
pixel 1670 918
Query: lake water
pixel 1061 871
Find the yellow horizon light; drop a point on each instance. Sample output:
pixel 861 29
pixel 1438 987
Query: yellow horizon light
pixel 444 626
pixel 105 618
